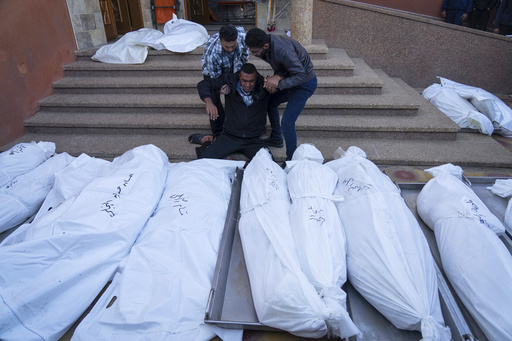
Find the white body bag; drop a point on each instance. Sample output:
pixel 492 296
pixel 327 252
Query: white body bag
pixel 23 157
pixel 53 270
pixel 389 261
pixel 474 259
pixel 161 289
pixel 319 235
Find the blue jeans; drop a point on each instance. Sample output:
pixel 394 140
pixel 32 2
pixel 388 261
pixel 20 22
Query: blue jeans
pixel 296 98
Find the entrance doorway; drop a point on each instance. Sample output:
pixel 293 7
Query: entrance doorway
pixel 121 16
pixel 206 12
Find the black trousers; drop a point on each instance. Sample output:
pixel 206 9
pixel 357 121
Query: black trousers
pixel 479 19
pixel 225 145
pixel 505 30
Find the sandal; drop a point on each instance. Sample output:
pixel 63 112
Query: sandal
pixel 196 138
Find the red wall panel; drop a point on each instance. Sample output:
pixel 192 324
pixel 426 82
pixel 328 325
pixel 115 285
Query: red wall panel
pixel 36 40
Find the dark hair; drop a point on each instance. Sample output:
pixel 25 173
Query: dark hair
pixel 248 69
pixel 228 33
pixel 256 38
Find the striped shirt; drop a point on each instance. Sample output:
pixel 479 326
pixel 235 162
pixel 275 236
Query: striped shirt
pixel 215 61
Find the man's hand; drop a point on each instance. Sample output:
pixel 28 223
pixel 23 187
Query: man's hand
pixel 443 14
pixel 272 83
pixel 225 90
pixel 464 17
pixel 211 109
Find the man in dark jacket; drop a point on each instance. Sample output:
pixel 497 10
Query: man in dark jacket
pixel 246 103
pixel 294 81
pixel 456 11
pixel 503 20
pixel 480 13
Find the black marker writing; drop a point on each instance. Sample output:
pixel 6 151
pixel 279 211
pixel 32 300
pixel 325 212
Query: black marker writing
pixel 317 215
pixel 353 186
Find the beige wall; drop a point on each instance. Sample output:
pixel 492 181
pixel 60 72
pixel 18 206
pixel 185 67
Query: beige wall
pixel 87 23
pixel 146 13
pixel 36 40
pixel 413 47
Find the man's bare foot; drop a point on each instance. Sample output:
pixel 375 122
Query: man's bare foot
pixel 200 138
pixel 207 138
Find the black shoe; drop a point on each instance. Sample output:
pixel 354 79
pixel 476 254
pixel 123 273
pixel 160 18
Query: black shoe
pixel 283 165
pixel 273 141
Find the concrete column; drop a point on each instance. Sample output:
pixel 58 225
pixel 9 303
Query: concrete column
pixel 302 21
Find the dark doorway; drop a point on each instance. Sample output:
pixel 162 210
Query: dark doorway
pixel 234 12
pixel 206 12
pixel 107 13
pixel 121 16
pixel 198 11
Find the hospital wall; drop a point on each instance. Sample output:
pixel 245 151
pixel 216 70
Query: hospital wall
pixel 36 40
pixel 426 7
pixel 415 48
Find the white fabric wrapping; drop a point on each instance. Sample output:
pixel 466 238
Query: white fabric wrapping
pixel 68 183
pixel 319 236
pixel 162 287
pixel 283 297
pixel 388 258
pixel 127 50
pixel 458 109
pixel 64 260
pixel 503 188
pixel 23 157
pixel 23 196
pixel 179 35
pixel 71 180
pixel 475 260
pixel 491 106
pixel 461 200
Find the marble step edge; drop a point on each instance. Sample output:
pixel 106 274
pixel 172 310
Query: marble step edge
pixel 468 149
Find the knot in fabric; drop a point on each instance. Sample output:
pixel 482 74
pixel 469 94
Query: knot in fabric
pixel 431 330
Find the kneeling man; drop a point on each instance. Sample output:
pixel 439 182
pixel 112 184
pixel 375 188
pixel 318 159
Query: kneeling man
pixel 246 103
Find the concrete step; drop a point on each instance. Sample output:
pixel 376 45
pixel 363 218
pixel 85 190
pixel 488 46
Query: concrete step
pixel 364 81
pixel 469 149
pixel 324 115
pixel 423 127
pixel 394 100
pixel 388 105
pixel 317 51
pixel 337 63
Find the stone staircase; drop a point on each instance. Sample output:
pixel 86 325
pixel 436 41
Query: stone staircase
pixel 105 109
